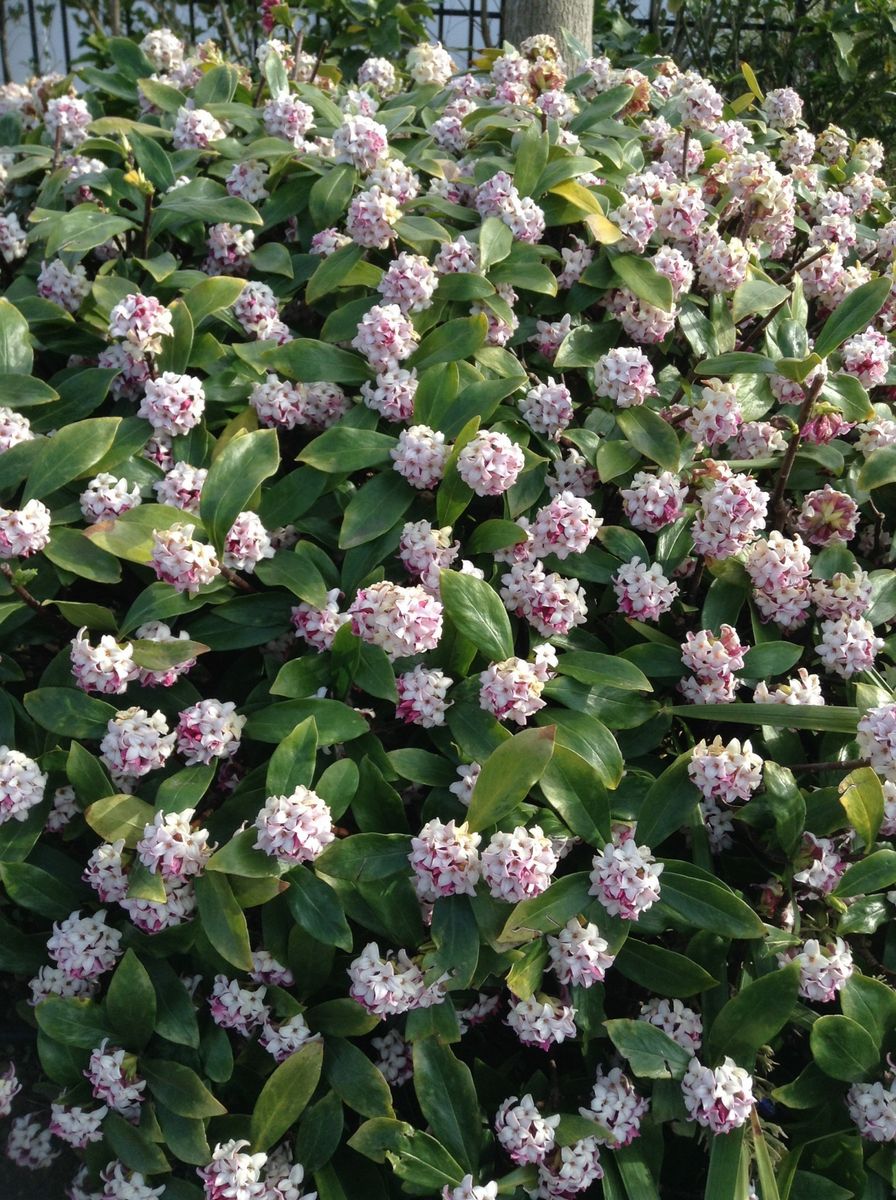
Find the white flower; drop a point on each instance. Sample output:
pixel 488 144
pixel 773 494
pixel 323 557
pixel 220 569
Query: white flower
pixel 295 828
pixel 22 785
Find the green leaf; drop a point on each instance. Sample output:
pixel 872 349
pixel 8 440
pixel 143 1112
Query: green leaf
pixel 233 477
pixel 309 361
pixel 662 971
pixel 69 454
pixel 161 656
pixel 120 816
pixel 738 362
pixel 509 773
pixel 869 1002
pixel 73 1022
pixel 83 228
pixel 573 788
pixel 285 1095
pixel 332 272
pixel 133 1146
pixel 176 350
pixel 668 805
pixel 650 435
pixel 827 718
pixel 341 450
pixel 330 195
pixel 753 1016
pixel 335 721
pixel 239 857
pixel 185 1136
pixel 152 159
pixel 365 857
pixel 355 1079
pixel 843 1049
pixel 292 763
pixel 589 738
pixel 448 1101
pixel 184 789
pixel 651 1053
pixel 764 1169
pixel 873 874
pixel 853 315
pixel 451 342
pixel 706 903
pixel 726 1167
pixel 16 355
pixel 456 937
pixel 757 297
pixel 72 550
pixel 477 613
pixel 296 571
pixel 548 912
pixel 374 509
pixel 39 891
pixel 531 158
pixel 317 908
pixel 415 1156
pixel 848 396
pixel 879 469
pixel 28 391
pixel 131 1002
pixel 211 296
pixel 788 805
pixel 223 922
pixel 640 276
pixel 179 1088
pixel 495 243
pixel 69 712
pixel 605 670
pixel 770 658
pixel 320 1133
pixel 585 344
pixel 175 1013
pixel 862 799
pixel 86 775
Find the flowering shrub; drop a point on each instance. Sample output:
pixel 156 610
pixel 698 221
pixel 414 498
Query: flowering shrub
pixel 448 745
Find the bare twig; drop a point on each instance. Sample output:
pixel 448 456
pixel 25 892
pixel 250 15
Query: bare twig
pixel 20 590
pixel 846 764
pixel 779 505
pixel 237 580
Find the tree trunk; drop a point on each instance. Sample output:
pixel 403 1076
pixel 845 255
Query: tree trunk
pixel 525 18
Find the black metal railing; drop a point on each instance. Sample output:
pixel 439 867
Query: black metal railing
pixel 43 35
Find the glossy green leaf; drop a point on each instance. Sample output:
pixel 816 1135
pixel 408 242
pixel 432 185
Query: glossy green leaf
pixel 285 1095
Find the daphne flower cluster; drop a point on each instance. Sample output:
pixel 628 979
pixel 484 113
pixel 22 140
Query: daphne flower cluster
pixel 519 865
pixel 625 877
pixel 720 1100
pixel 391 985
pixel 824 969
pixel 616 1106
pixel 294 828
pixel 725 771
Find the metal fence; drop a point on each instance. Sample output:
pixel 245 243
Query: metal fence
pixel 42 35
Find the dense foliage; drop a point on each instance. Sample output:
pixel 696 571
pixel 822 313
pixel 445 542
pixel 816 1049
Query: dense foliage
pixel 839 54
pixel 448 738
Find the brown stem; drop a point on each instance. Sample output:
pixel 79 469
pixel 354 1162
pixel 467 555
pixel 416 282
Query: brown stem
pixel 237 580
pixel 57 147
pixel 846 764
pixel 760 327
pixel 300 39
pixel 686 145
pixel 318 61
pixel 779 505
pixel 144 233
pixel 807 262
pixel 21 591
